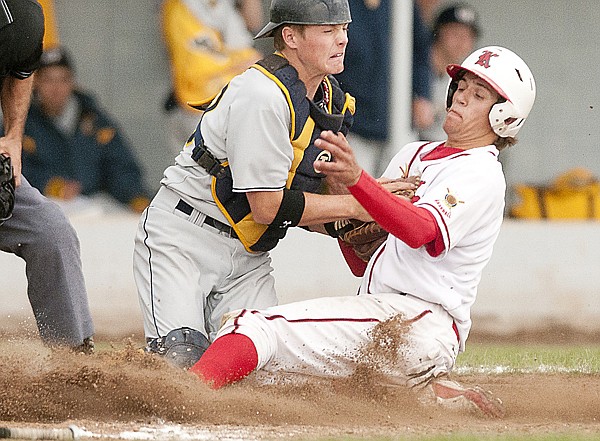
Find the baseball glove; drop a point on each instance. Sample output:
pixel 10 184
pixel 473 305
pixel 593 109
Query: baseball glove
pixel 7 189
pixel 366 237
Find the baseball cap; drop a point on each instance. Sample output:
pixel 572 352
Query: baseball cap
pixel 460 13
pixel 57 56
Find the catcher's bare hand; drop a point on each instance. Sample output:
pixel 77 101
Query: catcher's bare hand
pixel 343 167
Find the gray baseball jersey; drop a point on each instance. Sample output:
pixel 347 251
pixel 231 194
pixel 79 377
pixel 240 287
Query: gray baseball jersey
pixel 187 274
pixel 250 128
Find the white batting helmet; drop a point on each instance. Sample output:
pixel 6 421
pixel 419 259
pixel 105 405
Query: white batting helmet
pixel 508 75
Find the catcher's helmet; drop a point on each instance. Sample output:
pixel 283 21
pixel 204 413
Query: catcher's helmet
pixel 306 12
pixel 508 75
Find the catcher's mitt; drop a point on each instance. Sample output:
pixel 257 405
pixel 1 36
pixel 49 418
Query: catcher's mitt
pixel 366 237
pixel 7 189
pixel 363 237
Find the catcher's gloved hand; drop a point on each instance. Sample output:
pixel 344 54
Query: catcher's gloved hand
pixel 366 237
pixel 7 189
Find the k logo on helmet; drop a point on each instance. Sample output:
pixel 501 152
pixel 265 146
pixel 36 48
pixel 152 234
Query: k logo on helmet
pixel 484 59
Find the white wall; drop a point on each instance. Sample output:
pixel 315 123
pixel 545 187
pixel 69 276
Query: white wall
pixel 541 273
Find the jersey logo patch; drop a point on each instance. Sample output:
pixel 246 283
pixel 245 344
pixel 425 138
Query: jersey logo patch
pixel 448 203
pixel 325 155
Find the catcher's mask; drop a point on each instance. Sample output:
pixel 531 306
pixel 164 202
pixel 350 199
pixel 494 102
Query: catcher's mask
pixel 508 75
pixel 306 12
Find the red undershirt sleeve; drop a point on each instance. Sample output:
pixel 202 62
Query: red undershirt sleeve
pixel 413 225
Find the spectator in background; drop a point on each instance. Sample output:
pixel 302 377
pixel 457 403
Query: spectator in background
pixel 72 149
pixel 208 43
pixel 455 33
pixel 422 105
pixel 428 10
pixel 366 77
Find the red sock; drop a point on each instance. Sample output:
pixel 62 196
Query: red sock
pixel 228 359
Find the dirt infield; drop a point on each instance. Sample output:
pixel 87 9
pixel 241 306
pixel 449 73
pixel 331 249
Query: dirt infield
pixel 121 389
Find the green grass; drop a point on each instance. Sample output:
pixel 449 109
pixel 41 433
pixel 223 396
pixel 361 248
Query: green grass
pixel 529 358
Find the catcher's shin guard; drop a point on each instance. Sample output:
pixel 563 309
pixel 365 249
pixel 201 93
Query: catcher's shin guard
pixel 182 347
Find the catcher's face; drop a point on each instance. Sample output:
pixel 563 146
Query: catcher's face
pixel 467 120
pixel 320 49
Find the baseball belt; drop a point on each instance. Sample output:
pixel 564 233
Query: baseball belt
pixel 187 209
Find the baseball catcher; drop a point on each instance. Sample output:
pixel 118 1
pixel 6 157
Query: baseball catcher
pixel 7 189
pixel 243 178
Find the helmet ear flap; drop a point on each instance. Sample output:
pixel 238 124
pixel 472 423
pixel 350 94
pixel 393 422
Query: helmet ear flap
pixel 452 86
pixel 502 119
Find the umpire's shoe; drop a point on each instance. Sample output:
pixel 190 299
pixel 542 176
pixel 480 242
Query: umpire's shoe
pixel 87 347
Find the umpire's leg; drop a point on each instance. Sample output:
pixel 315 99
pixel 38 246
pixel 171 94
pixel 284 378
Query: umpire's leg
pixel 40 234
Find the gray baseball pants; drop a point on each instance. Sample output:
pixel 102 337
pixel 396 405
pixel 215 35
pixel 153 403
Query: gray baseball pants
pixel 40 234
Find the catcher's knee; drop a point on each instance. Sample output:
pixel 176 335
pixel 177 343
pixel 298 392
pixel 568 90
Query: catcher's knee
pixel 182 347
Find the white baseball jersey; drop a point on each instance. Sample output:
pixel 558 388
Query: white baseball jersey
pixel 433 295
pixel 465 193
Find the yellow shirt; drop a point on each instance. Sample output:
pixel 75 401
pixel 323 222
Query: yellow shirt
pixel 202 60
pixel 51 38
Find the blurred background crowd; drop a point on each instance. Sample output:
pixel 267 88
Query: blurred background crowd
pixel 133 66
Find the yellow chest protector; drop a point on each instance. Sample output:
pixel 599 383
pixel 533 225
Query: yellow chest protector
pixel 308 120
